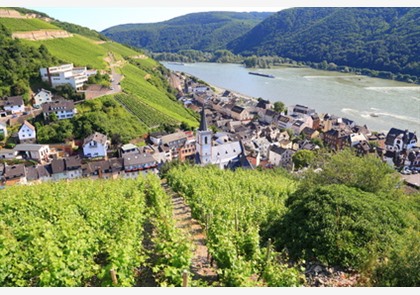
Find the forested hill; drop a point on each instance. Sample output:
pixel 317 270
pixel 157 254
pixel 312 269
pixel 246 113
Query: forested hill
pixel 207 31
pixel 384 39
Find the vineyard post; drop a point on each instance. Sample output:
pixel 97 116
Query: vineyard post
pixel 267 256
pixel 185 278
pixel 114 276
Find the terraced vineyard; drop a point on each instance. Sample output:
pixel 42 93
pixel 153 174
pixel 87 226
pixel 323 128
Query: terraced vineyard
pixel 73 234
pixel 233 206
pixel 78 50
pixel 151 117
pixel 120 49
pixel 26 24
pixel 136 83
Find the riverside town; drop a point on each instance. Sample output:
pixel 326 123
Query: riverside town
pixel 120 166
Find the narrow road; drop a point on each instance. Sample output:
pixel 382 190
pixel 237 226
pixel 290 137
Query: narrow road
pixel 200 266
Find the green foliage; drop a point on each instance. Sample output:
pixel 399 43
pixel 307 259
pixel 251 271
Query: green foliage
pixel 303 158
pixel 71 234
pixel 78 50
pixel 402 267
pixel 232 206
pixel 26 24
pixel 100 79
pixel 367 173
pixel 19 64
pixel 207 31
pixel 279 106
pixel 103 114
pixel 338 225
pixel 381 39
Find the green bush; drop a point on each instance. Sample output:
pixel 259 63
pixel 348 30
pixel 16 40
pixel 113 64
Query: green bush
pixel 338 225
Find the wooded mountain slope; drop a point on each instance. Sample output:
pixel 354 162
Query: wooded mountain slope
pixel 384 39
pixel 205 31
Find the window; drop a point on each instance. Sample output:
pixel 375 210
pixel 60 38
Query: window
pixel 205 140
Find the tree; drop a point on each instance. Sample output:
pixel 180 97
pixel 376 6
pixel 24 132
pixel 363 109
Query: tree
pixel 367 173
pixel 303 158
pixel 279 106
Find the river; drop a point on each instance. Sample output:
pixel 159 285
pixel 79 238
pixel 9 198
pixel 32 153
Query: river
pixel 396 104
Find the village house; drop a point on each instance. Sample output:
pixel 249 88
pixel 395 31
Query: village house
pixel 280 157
pixel 58 169
pixel 356 138
pixel 37 152
pixel 398 140
pixel 37 174
pixel 362 148
pixel 316 121
pixel 299 109
pixel 62 108
pixel 336 139
pixel 187 150
pixel 298 126
pixel 268 116
pixel 15 174
pixel 310 133
pixel 137 164
pixel 27 133
pixel 128 149
pixel 14 104
pixel 8 154
pixel 42 97
pixel 73 166
pixel 240 113
pixel 264 104
pixel 285 122
pixel 3 130
pixel 65 74
pixel 95 145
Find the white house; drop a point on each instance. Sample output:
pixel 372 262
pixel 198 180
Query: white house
pixel 64 109
pixel 27 133
pixel 356 138
pixel 65 74
pixel 39 152
pixel 14 104
pixel 42 97
pixel 278 156
pixel 3 129
pixel 398 140
pixel 95 145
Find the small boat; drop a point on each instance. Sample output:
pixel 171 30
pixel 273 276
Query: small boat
pixel 262 75
pixel 374 115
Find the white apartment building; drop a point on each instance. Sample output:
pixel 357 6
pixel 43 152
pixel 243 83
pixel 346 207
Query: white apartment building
pixel 65 74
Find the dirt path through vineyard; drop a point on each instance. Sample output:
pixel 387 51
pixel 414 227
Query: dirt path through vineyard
pixel 200 267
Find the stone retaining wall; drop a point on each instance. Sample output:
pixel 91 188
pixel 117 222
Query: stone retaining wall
pixel 42 35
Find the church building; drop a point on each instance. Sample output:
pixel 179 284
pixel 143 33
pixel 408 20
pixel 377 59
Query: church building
pixel 226 155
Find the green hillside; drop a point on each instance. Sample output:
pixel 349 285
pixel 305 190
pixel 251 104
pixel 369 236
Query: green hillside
pixel 31 24
pixel 79 50
pixel 144 79
pixel 206 31
pixel 382 39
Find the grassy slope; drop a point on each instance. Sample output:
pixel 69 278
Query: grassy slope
pixel 78 50
pixel 21 24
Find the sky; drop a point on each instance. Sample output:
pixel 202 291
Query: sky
pixel 99 15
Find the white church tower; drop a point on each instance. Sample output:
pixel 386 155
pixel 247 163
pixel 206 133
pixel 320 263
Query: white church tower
pixel 203 143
